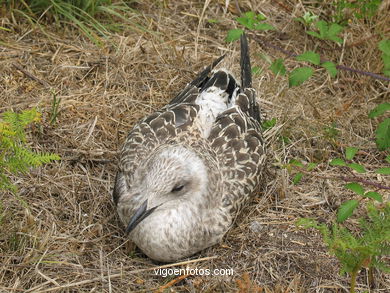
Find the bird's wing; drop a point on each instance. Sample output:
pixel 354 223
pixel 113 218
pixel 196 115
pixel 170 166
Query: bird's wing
pixel 237 139
pixel 155 130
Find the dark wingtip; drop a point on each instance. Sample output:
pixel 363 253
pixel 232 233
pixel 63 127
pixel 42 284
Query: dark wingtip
pixel 246 73
pixel 203 74
pixel 199 80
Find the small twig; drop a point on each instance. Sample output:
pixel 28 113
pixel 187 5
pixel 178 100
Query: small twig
pixel 342 67
pixel 346 179
pixel 361 180
pixel 171 283
pixel 30 75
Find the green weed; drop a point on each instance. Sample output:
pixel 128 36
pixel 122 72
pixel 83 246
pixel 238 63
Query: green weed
pixel 54 108
pixel 299 75
pixel 94 18
pixel 384 46
pixel 307 19
pixel 15 156
pixel 356 251
pixel 361 9
pixel 382 133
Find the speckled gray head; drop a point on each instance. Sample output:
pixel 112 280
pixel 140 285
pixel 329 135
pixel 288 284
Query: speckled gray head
pixel 185 170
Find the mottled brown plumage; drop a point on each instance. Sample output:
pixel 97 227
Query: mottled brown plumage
pixel 185 170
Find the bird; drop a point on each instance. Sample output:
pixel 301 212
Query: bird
pixel 186 170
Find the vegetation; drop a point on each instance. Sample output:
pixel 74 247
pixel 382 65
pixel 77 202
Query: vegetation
pixel 94 18
pixel 358 250
pixel 15 155
pixel 361 9
pixel 353 250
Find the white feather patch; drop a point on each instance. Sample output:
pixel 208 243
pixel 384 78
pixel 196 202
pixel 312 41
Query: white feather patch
pixel 212 102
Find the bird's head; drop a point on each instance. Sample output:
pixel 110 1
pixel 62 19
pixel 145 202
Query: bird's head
pixel 168 178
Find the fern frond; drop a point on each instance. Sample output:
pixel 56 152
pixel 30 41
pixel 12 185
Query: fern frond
pixel 15 157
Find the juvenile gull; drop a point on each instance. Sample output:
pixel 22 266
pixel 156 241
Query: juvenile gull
pixel 185 170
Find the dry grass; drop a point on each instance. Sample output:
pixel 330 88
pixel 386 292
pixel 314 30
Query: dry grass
pixel 68 238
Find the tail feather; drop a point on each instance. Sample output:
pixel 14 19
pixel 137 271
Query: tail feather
pixel 198 82
pixel 246 73
pixel 246 79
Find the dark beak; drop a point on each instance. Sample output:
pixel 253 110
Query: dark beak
pixel 139 215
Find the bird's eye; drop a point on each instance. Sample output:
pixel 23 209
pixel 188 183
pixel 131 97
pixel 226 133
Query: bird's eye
pixel 177 188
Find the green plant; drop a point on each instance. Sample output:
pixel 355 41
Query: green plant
pixel 297 76
pixel 251 21
pixel 360 9
pixel 353 250
pixel 331 133
pixel 357 250
pixel 54 108
pixel 327 31
pixel 267 124
pixel 347 207
pixel 93 18
pixel 307 19
pixel 15 156
pixel 382 133
pixel 384 46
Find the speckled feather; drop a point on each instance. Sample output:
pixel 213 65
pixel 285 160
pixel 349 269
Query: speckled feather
pixel 228 142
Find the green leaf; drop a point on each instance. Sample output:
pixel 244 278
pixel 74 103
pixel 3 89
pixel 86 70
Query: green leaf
pixel 374 195
pixel 330 67
pixel 256 70
pixel 268 123
pixel 248 20
pixel 299 76
pixel 384 171
pixel 386 63
pixel 358 168
pixel 335 39
pixel 249 14
pixel 337 162
pixel 264 27
pixel 355 187
pixel 234 35
pixel 285 139
pixel 294 162
pixel 383 135
pixel 314 34
pixel 322 27
pixel 297 178
pixel 311 166
pixel 277 67
pixel 379 110
pixel 388 159
pixel 212 20
pixel 346 209
pixel 306 223
pixel 384 46
pixel 260 17
pixel 335 29
pixel 309 56
pixel 350 153
pixel 300 19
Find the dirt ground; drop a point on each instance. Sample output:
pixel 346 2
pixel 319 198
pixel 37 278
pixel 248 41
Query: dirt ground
pixel 68 237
